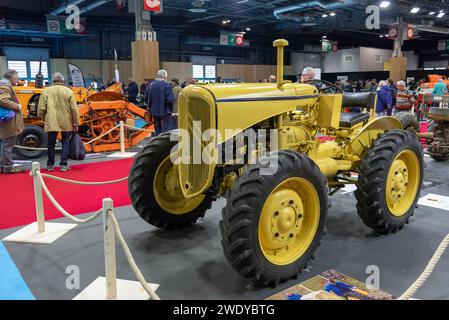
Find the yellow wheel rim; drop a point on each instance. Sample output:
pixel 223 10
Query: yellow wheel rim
pixel 402 183
pixel 168 193
pixel 289 221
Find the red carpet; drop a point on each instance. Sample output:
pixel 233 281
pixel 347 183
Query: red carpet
pixel 17 206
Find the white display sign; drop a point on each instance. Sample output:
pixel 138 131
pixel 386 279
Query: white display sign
pixel 224 39
pixel 77 76
pixel 435 201
pixel 317 73
pixel 53 26
pixel 348 58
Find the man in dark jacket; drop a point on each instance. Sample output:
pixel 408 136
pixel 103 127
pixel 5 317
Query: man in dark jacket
pixel 133 91
pixel 160 102
pixel 143 86
pixel 384 99
pixel 393 92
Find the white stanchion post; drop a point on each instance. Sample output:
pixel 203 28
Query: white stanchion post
pixel 109 251
pixel 109 287
pixel 122 137
pixel 40 232
pixel 122 153
pixel 40 215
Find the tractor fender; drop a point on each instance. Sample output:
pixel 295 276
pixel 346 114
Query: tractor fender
pixel 364 138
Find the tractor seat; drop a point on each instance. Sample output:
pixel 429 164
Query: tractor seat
pixel 350 119
pixel 364 100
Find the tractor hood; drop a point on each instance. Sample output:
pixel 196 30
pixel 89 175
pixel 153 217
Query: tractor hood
pixel 240 106
pixel 245 92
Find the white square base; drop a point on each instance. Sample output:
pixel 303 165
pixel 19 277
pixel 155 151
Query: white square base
pixel 29 234
pixel 126 290
pixel 435 201
pixel 122 155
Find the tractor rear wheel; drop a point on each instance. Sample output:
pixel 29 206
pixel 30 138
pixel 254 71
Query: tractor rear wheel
pixel 155 192
pixel 34 137
pixel 272 224
pixel 408 121
pixel 390 180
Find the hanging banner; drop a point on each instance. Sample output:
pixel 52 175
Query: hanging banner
pixel 335 47
pixel 152 5
pixel 239 40
pixel 120 4
pixel 410 32
pixel 233 39
pixel 77 76
pixel 393 31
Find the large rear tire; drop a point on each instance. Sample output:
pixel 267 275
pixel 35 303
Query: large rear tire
pixel 272 224
pixel 390 180
pixel 408 121
pixel 32 136
pixel 154 188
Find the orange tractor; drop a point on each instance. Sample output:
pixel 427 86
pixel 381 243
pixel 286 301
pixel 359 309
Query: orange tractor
pixel 433 78
pixel 99 113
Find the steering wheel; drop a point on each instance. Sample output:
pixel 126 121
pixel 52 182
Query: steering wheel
pixel 324 86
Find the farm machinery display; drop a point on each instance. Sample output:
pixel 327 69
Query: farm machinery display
pixel 438 127
pixel 277 185
pixel 99 112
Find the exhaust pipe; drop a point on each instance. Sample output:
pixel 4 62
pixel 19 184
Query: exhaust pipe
pixel 280 44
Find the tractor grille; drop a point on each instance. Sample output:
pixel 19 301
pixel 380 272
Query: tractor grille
pixel 195 118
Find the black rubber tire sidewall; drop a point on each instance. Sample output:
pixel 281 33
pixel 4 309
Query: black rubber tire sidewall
pixel 408 120
pixel 370 194
pixel 268 273
pixel 39 131
pixel 140 186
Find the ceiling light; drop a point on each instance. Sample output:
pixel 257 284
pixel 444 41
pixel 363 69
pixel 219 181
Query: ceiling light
pixel 384 4
pixel 332 14
pixel 381 36
pixel 386 35
pixel 414 10
pixel 224 21
pixel 431 13
pixel 440 15
pixel 324 37
pixel 242 1
pixel 248 29
pixel 324 15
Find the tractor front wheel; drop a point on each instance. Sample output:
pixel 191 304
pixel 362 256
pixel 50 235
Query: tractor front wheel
pixel 272 223
pixel 390 180
pixel 155 191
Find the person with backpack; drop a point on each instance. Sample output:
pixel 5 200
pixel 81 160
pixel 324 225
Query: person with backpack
pixel 11 126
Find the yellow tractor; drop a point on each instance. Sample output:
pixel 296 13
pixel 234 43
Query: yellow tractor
pixel 277 188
